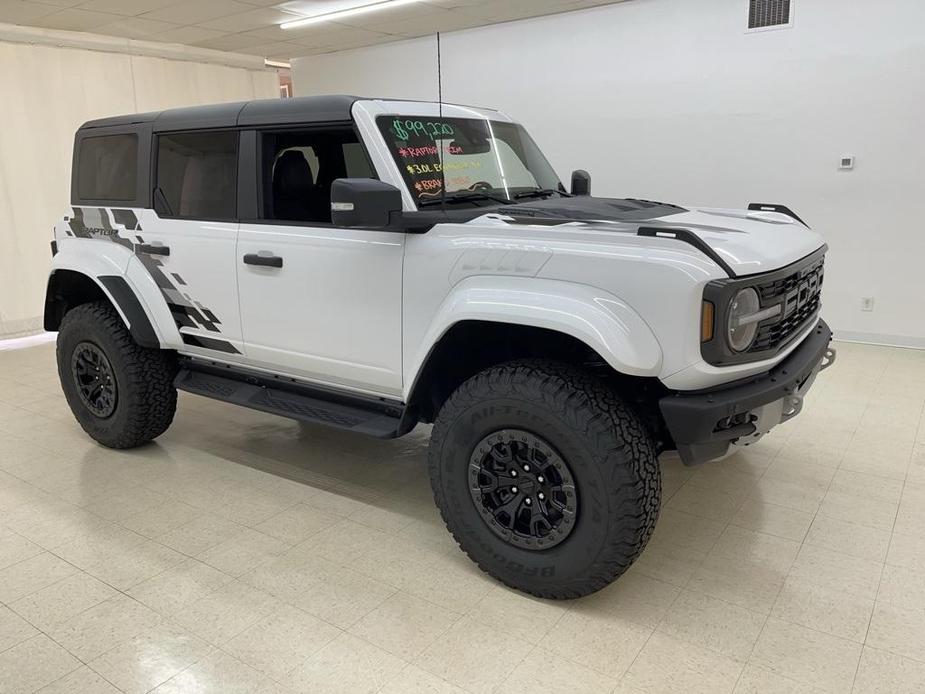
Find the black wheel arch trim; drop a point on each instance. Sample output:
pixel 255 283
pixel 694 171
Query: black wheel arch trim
pixel 129 306
pixel 420 385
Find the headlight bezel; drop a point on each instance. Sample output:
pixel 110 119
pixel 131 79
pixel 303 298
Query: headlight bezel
pixel 717 350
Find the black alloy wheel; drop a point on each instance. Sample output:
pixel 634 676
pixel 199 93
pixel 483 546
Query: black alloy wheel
pixel 94 378
pixel 523 489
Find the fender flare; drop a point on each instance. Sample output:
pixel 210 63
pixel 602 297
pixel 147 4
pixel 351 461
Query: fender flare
pixel 127 303
pixel 602 321
pixel 108 277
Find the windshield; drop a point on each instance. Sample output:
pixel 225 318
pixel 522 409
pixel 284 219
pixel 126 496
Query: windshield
pixel 496 159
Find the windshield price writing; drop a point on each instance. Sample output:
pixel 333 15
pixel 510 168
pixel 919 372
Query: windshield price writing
pixel 438 168
pixel 404 129
pixel 412 152
pixel 429 187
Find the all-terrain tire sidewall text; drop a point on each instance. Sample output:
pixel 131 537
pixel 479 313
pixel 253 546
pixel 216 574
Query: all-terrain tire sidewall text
pixel 601 440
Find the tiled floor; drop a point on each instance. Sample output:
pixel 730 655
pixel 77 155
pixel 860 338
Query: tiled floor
pixel 245 553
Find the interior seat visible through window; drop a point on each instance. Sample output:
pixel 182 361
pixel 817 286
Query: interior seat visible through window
pixel 293 186
pixel 197 175
pixel 300 166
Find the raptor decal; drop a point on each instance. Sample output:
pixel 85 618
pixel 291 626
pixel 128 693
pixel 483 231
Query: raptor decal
pixel 108 224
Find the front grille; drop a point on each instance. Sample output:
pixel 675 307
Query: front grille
pixel 799 294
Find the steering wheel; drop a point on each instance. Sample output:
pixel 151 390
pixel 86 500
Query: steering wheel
pixel 481 186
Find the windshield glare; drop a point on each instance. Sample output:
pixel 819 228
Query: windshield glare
pixel 472 155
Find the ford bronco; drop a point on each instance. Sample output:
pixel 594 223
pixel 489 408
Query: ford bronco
pixel 372 265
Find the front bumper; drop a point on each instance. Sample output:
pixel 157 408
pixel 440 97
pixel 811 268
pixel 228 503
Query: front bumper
pixel 705 423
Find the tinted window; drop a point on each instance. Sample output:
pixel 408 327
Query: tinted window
pixel 107 168
pixel 299 168
pixel 357 163
pixel 197 175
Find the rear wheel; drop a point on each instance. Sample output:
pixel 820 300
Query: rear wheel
pixel 546 479
pixel 122 394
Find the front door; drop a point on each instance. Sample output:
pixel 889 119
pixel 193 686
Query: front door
pixel 317 302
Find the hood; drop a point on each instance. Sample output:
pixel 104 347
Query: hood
pixel 748 242
pixel 585 208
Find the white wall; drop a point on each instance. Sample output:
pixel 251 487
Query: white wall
pixel 47 93
pixel 673 100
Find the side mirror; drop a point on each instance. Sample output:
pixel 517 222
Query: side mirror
pixel 364 202
pixel 581 182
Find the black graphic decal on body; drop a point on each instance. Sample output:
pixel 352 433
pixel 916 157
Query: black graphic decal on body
pixel 95 223
pixel 208 343
pixel 127 219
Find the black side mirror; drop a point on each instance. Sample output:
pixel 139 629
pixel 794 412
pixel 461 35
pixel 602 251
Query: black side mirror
pixel 581 182
pixel 364 202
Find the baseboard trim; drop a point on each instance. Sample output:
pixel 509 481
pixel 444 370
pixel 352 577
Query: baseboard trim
pixel 903 341
pixel 24 342
pixel 20 328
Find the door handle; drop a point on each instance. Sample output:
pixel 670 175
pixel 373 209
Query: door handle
pixel 152 249
pixel 263 260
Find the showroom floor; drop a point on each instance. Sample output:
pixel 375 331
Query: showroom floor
pixel 245 553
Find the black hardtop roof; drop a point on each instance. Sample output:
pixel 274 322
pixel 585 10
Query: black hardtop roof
pixel 301 109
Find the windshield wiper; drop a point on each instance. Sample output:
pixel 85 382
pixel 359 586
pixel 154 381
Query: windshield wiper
pixel 466 197
pixel 540 193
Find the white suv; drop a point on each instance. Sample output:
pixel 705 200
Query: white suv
pixel 372 264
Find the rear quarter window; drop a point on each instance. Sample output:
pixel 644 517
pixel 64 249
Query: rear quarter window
pixel 197 175
pixel 107 168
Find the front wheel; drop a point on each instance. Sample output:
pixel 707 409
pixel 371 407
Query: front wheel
pixel 545 477
pixel 122 394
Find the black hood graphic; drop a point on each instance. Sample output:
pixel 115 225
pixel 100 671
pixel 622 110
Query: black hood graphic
pixel 588 209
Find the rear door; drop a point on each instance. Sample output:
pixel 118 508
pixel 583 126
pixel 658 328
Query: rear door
pixel 318 302
pixel 187 242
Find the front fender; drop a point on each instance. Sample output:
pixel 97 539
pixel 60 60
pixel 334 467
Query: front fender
pixel 600 320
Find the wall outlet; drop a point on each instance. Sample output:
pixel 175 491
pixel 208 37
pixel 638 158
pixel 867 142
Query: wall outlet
pixel 867 303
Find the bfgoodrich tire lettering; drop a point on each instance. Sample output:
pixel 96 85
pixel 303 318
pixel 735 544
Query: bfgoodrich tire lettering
pixel 145 399
pixel 606 447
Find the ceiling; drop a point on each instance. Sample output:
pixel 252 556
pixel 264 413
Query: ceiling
pixel 251 26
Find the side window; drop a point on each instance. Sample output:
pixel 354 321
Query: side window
pixel 358 165
pixel 197 175
pixel 107 168
pixel 298 168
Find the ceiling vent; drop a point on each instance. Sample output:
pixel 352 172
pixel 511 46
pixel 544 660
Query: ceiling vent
pixel 769 14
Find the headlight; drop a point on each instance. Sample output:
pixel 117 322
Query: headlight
pixel 742 326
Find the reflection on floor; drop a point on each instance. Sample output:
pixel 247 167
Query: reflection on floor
pixel 245 553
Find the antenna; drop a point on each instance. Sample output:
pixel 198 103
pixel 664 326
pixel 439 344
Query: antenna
pixel 440 107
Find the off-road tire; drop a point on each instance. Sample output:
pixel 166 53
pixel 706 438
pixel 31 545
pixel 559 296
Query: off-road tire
pixel 146 398
pixel 610 453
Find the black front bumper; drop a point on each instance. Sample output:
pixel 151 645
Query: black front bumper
pixel 704 423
